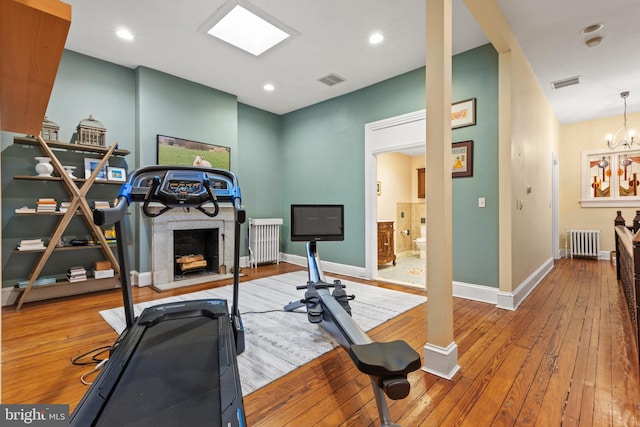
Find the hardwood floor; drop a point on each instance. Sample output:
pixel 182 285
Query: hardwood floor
pixel 567 356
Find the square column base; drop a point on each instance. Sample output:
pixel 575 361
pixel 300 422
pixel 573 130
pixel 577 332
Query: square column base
pixel 442 362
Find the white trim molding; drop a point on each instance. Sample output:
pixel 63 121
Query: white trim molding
pixel 511 300
pixel 475 292
pixel 442 362
pixel 331 267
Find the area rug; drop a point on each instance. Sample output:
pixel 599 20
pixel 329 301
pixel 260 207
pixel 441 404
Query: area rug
pixel 277 342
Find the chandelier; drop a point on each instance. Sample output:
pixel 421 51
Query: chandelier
pixel 622 136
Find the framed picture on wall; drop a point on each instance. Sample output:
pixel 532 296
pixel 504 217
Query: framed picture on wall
pixel 179 151
pixel 463 113
pixel 462 159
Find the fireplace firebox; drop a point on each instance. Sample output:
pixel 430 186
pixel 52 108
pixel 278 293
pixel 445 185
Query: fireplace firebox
pixel 196 251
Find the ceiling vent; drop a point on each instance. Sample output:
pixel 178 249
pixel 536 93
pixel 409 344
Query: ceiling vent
pixel 331 79
pixel 559 84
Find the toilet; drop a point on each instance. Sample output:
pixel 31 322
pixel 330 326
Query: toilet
pixel 421 242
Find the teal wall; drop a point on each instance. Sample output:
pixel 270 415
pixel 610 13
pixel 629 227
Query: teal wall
pixel 260 168
pixel 323 158
pixel 313 155
pixel 167 105
pixel 475 230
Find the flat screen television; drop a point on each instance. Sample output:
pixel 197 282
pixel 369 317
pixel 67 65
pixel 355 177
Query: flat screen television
pixel 312 223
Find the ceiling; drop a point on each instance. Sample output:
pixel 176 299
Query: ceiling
pixel 333 39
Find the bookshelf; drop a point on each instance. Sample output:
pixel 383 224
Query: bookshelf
pixel 78 207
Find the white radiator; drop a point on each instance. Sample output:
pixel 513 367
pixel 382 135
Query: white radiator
pixel 264 241
pixel 584 243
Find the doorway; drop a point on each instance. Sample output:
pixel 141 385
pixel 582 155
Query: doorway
pixel 403 133
pixel 401 209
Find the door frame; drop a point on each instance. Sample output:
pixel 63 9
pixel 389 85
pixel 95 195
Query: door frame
pixel 383 136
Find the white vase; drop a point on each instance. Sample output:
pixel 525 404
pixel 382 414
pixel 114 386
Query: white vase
pixel 69 170
pixel 44 167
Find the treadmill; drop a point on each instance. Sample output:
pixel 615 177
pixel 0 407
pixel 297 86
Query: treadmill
pixel 175 364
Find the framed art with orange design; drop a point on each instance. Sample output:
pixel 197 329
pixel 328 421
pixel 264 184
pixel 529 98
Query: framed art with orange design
pixel 463 113
pixel 462 159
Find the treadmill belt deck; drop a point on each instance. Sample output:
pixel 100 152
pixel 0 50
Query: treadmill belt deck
pixel 171 379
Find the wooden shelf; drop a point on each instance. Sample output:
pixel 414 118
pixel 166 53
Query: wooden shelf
pixel 78 205
pixel 65 288
pixel 59 178
pixel 65 248
pixel 71 147
pixel 32 38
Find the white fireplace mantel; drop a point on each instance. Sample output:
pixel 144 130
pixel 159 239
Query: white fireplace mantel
pixel 162 228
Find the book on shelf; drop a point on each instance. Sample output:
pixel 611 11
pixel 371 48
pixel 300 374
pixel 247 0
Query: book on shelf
pixel 25 209
pixel 31 245
pixel 100 204
pixel 64 207
pixel 103 274
pixel 77 274
pixel 39 282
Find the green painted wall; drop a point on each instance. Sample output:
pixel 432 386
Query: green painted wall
pixel 313 155
pixel 475 231
pixel 167 105
pixel 323 162
pixel 260 167
pixel 323 157
pixel 83 86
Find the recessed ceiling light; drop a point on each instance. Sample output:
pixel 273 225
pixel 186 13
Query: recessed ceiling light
pixel 269 87
pixel 376 38
pixel 594 41
pixel 591 29
pixel 246 30
pixel 124 34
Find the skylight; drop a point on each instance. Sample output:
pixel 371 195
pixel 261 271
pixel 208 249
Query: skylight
pixel 247 31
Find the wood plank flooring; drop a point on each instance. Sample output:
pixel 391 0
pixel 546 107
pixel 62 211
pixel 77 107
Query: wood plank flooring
pixel 567 356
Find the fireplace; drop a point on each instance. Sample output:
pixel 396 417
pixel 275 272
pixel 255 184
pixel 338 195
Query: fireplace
pixel 217 232
pixel 195 251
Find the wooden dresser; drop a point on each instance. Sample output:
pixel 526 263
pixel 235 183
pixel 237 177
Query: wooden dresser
pixel 386 252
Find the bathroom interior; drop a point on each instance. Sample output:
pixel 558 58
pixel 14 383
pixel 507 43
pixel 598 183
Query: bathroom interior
pixel 401 200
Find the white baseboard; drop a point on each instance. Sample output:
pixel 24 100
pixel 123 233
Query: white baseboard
pixel 470 291
pixel 9 296
pixel 475 292
pixel 604 255
pixel 327 267
pixel 511 300
pixel 442 362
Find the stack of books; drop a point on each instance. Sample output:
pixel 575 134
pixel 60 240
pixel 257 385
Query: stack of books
pixel 31 245
pixel 64 206
pixel 46 205
pixel 77 274
pixel 98 204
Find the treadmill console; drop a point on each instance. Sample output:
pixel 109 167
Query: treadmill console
pixel 183 187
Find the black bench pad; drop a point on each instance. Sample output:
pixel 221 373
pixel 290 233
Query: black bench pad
pixel 384 359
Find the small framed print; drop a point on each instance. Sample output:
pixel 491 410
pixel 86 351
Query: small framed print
pixel 116 174
pixel 463 113
pixel 462 159
pixel 90 165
